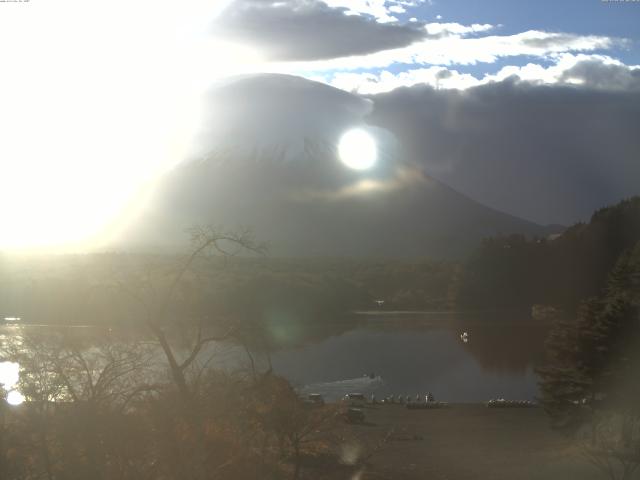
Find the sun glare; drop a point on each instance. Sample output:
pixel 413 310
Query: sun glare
pixel 9 374
pixel 89 117
pixel 15 398
pixel 357 150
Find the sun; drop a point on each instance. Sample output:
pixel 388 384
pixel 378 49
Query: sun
pixel 357 149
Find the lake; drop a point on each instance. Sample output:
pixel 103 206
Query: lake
pixel 409 355
pixel 400 354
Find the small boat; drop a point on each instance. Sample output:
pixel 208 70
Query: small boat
pixel 464 336
pixel 502 403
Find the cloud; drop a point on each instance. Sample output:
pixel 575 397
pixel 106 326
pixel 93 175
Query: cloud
pixel 600 72
pixel 276 110
pixel 385 81
pixel 295 30
pixel 551 153
pixel 603 75
pixel 381 10
pixel 337 35
pixel 443 29
pixel 594 71
pixel 456 44
pixel 397 9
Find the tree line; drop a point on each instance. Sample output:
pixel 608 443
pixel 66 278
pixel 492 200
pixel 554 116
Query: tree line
pixel 514 271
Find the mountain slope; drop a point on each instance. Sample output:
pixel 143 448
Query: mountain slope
pixel 266 160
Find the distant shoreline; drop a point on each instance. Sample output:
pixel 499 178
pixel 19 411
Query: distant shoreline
pixel 436 312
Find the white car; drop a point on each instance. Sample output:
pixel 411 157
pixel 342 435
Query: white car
pixel 355 399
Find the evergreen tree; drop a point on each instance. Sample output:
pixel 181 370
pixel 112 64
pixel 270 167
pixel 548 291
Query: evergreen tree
pixel 593 360
pixel 590 385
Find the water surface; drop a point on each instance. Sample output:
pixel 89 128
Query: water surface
pixel 401 356
pixel 392 354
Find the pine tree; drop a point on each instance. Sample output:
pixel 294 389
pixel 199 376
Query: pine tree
pixel 591 385
pixel 593 360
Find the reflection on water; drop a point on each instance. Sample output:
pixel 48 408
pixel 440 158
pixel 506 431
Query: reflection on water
pixel 415 355
pixel 337 389
pixel 14 397
pixel 9 374
pixel 9 378
pixel 507 349
pixel 384 355
pixel 409 363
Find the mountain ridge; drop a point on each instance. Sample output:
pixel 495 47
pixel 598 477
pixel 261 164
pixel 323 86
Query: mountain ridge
pixel 300 197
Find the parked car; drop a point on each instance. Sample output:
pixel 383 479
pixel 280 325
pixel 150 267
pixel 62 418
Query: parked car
pixel 355 399
pixel 354 415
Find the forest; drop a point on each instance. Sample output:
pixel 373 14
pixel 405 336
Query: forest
pixel 518 272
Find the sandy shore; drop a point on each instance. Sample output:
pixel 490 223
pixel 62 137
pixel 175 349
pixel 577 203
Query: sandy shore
pixel 470 441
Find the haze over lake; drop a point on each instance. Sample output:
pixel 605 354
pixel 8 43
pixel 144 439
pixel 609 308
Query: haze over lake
pixel 396 354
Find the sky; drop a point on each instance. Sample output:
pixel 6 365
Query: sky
pixel 375 46
pixel 99 98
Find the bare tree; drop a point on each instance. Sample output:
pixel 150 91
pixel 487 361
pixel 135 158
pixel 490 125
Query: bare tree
pixel 78 391
pixel 157 302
